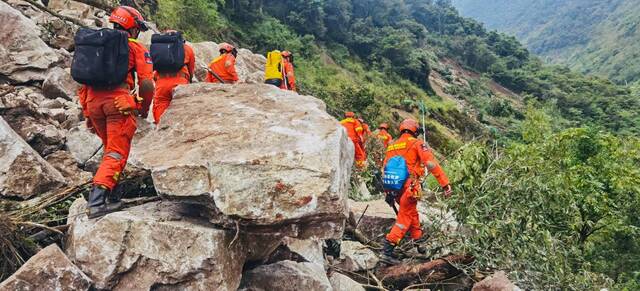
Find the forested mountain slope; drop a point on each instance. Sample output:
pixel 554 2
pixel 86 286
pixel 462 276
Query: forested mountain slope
pixel 595 37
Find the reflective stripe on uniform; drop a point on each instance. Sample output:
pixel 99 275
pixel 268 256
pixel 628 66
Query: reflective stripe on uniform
pixel 431 165
pixel 397 146
pixel 401 226
pixel 115 155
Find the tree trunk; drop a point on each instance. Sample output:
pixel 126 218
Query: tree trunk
pixel 401 276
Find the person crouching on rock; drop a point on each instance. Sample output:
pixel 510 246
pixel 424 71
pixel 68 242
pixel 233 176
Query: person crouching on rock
pixel 166 50
pixel 404 165
pixel 223 68
pixel 111 109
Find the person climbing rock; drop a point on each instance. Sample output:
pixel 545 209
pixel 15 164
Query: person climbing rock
pixel 108 98
pixel 274 69
pixel 289 78
pixel 383 134
pixel 404 168
pixel 355 131
pixel 223 68
pixel 174 64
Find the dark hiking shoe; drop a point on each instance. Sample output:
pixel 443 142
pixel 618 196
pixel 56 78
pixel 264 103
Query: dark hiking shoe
pixel 104 209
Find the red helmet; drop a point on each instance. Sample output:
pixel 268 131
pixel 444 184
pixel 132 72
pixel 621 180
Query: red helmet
pixel 349 114
pixel 226 47
pixel 128 17
pixel 410 125
pixel 384 125
pixel 286 54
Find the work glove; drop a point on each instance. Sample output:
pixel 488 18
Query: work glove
pixel 447 191
pixel 390 198
pixel 125 104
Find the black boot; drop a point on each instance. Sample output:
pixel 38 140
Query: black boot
pixel 387 254
pixel 97 205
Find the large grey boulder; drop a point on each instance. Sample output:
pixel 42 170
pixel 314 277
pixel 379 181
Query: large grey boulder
pixel 286 276
pixel 23 173
pixel 25 57
pixel 250 66
pixel 341 282
pixel 270 159
pixel 49 269
pixel 160 245
pixel 59 84
pixel 356 257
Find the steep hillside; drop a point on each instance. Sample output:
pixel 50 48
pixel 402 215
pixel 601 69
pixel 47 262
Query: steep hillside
pixel 595 37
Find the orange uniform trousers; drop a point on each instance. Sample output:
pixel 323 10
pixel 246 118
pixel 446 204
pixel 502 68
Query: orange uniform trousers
pixel 360 154
pixel 116 131
pixel 408 219
pixel 164 94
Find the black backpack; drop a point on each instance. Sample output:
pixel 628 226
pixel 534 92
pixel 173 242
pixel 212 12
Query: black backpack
pixel 167 52
pixel 101 57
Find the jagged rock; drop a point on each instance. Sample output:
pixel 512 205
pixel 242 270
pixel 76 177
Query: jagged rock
pixel 59 84
pixel 250 66
pixel 355 257
pixel 64 162
pixel 52 103
pixel 160 245
pixel 82 143
pixel 309 249
pixel 89 15
pixel 341 282
pixel 285 276
pixel 49 269
pixel 254 153
pixel 25 57
pixel 23 173
pixel 495 282
pixel 35 126
pixel 377 220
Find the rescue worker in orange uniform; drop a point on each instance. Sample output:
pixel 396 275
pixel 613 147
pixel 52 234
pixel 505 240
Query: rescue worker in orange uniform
pixel 111 113
pixel 290 84
pixel 355 131
pixel 383 134
pixel 223 66
pixel 366 131
pixel 166 82
pixel 417 156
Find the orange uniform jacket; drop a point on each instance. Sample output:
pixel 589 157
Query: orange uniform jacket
pixel 418 156
pixel 291 77
pixel 166 82
pixel 225 67
pixel 385 137
pixel 115 129
pixel 354 131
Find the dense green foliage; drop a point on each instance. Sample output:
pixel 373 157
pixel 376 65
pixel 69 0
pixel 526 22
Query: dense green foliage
pixel 380 46
pixel 551 204
pixel 599 37
pixel 556 209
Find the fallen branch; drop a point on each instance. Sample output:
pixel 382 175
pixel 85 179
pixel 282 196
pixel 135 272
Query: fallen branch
pixel 63 17
pixel 401 276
